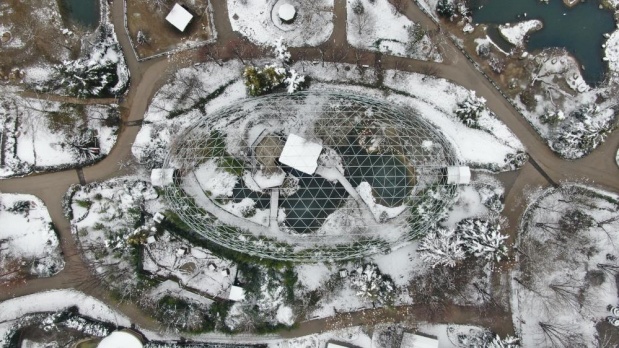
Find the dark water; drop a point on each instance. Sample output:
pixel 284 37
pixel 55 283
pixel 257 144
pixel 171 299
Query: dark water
pixel 316 199
pixel 83 12
pixel 579 29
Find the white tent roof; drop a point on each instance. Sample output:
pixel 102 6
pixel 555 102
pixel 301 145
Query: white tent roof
pixel 162 176
pixel 179 17
pixel 410 340
pixel 120 339
pixel 458 175
pixel 286 12
pixel 236 293
pixel 300 154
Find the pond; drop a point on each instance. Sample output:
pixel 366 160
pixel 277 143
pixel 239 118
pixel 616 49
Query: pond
pixel 315 200
pixel 579 29
pixel 83 12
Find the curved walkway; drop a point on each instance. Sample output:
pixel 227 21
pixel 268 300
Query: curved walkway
pixel 598 168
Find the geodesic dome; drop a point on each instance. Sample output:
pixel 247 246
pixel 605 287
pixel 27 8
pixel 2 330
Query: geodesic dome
pixel 310 176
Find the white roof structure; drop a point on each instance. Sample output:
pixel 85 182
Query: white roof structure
pixel 334 345
pixel 410 340
pixel 179 17
pixel 162 177
pixel 458 175
pixel 286 12
pixel 120 339
pixel 300 154
pixel 236 293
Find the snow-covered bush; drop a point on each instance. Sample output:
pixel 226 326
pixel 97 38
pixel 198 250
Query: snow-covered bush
pixel 516 160
pixel 102 73
pixel 581 134
pixel 294 81
pixel 372 285
pixel 432 207
pixel 486 339
pixel 552 117
pixel 261 81
pixel 471 237
pixel 470 109
pixel 445 8
pixel 442 247
pixel 482 239
pixel 281 51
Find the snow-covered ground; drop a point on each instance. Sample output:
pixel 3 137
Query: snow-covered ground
pixel 40 135
pixel 110 220
pixel 436 99
pixel 260 22
pixel 515 33
pixel 28 242
pixel 194 267
pixel 377 25
pixel 568 265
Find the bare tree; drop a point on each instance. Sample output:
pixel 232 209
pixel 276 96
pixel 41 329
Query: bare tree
pixel 212 52
pixel 560 335
pixel 239 48
pixel 361 22
pixel 429 70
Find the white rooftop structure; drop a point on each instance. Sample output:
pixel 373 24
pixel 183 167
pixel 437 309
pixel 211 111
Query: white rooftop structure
pixel 236 293
pixel 162 177
pixel 334 345
pixel 458 175
pixel 179 17
pixel 300 154
pixel 286 12
pixel 120 339
pixel 410 340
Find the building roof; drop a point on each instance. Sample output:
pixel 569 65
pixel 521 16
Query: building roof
pixel 334 345
pixel 120 339
pixel 410 340
pixel 286 12
pixel 300 154
pixel 162 176
pixel 236 293
pixel 179 17
pixel 458 175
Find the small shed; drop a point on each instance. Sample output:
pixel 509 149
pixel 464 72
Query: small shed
pixel 458 175
pixel 286 12
pixel 236 293
pixel 159 217
pixel 162 177
pixel 300 154
pixel 410 340
pixel 179 17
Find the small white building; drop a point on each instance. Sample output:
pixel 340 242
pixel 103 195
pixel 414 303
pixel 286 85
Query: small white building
pixel 121 339
pixel 300 154
pixel 458 175
pixel 162 177
pixel 410 340
pixel 286 12
pixel 179 17
pixel 335 345
pixel 236 293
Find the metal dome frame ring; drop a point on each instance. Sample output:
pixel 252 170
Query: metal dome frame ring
pixel 185 155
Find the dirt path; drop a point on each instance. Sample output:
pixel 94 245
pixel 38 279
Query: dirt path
pixel 147 77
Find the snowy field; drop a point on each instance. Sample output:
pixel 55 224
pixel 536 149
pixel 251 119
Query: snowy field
pixel 28 243
pixel 260 22
pixel 378 26
pixel 437 99
pixel 40 135
pixel 568 266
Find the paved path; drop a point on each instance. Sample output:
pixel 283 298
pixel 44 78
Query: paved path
pixel 146 77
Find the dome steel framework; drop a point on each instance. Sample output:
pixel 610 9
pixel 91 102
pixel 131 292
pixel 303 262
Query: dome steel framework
pixel 379 181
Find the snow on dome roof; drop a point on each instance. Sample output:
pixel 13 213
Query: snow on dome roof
pixel 286 12
pixel 300 154
pixel 120 339
pixel 179 17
